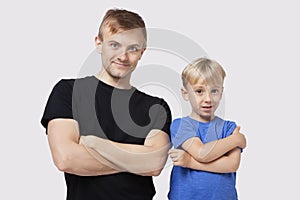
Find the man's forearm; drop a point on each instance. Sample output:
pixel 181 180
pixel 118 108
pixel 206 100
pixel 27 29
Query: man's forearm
pixel 138 159
pixel 82 162
pixel 70 156
pixel 105 166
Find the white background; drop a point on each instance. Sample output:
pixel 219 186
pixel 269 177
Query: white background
pixel 257 42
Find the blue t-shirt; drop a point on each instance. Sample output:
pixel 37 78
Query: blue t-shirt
pixel 193 184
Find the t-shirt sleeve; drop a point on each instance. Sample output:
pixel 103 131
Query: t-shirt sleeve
pixel 59 104
pixel 181 130
pixel 229 128
pixel 163 116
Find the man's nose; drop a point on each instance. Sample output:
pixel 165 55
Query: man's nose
pixel 123 56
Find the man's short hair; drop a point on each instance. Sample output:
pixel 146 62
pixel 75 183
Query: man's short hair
pixel 118 20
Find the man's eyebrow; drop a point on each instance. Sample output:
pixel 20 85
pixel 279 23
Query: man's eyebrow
pixel 131 45
pixel 134 45
pixel 110 41
pixel 139 46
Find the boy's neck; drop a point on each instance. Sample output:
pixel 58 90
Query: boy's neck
pixel 201 119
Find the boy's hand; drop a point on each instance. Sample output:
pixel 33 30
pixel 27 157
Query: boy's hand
pixel 239 137
pixel 180 157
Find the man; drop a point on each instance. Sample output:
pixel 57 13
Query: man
pixel 108 137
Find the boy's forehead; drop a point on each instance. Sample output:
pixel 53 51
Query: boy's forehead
pixel 200 82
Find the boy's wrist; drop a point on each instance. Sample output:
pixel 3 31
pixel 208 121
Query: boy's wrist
pixel 235 140
pixel 191 162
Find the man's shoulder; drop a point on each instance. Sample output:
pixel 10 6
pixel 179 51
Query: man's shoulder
pixel 68 83
pixel 150 98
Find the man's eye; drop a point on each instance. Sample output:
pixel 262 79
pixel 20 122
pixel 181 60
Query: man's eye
pixel 133 49
pixel 114 45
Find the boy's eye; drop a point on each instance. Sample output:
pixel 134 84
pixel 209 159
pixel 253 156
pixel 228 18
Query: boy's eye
pixel 215 91
pixel 199 91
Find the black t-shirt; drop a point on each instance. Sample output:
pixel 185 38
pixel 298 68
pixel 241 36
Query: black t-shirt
pixel 119 115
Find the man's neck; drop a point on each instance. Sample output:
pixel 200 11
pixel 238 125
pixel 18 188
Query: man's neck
pixel 120 83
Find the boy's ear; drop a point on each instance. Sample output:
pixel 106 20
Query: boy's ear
pixel 185 94
pixel 222 92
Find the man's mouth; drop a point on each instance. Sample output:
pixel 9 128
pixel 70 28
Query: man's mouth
pixel 121 64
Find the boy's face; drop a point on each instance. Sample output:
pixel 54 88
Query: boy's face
pixel 204 99
pixel 121 52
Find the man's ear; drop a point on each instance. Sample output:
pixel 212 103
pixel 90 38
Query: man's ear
pixel 142 52
pixel 98 44
pixel 184 94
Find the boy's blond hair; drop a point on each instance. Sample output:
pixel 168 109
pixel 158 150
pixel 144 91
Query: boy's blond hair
pixel 208 70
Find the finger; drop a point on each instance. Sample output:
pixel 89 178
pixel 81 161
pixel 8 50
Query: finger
pixel 237 129
pixel 170 151
pixel 171 154
pixel 172 157
pixel 177 151
pixel 176 163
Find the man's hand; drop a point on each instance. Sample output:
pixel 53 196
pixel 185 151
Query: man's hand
pixel 239 137
pixel 180 157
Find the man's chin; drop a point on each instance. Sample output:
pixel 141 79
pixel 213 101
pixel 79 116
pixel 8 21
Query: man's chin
pixel 121 75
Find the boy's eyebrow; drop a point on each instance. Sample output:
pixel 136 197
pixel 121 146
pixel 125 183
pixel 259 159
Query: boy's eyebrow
pixel 197 86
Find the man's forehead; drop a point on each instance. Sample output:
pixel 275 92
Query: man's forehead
pixel 134 36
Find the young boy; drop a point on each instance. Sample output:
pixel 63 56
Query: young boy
pixel 206 154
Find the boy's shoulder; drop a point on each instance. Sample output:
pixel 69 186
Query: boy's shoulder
pixel 226 122
pixel 228 126
pixel 179 120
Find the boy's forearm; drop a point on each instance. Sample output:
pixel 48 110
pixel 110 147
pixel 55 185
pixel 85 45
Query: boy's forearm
pixel 215 149
pixel 223 164
pixel 212 150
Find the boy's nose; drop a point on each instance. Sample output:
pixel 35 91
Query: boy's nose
pixel 207 96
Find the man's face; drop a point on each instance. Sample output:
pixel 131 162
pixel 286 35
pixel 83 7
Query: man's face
pixel 121 52
pixel 204 99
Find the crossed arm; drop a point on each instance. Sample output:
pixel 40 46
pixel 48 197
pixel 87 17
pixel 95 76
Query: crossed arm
pixel 92 156
pixel 220 156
